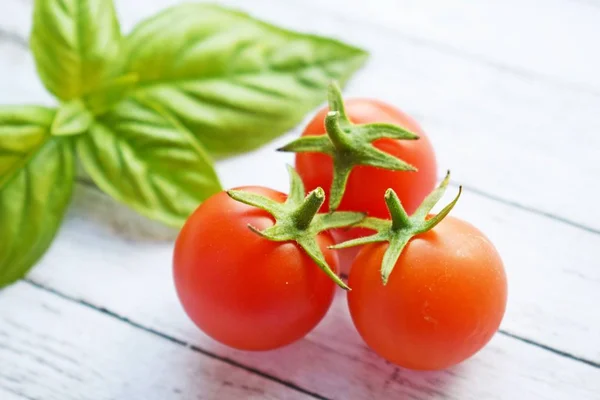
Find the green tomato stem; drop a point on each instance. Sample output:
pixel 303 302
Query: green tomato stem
pixel 401 228
pixel 336 102
pixel 298 220
pixel 350 145
pixel 337 136
pixel 400 218
pixel 304 215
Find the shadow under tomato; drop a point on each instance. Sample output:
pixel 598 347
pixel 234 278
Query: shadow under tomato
pixel 346 257
pixel 334 362
pixel 230 382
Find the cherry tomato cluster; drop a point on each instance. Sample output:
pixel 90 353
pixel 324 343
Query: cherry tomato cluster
pixel 257 269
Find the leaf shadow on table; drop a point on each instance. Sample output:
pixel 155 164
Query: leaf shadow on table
pixel 91 204
pixel 334 362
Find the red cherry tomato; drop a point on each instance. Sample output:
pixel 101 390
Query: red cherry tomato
pixel 443 302
pixel 367 185
pixel 243 290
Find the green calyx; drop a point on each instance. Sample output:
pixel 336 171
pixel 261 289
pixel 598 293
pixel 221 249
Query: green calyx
pixel 350 145
pixel 298 220
pixel 401 228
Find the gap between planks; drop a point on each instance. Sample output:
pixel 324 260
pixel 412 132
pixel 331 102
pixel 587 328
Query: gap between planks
pixel 512 204
pixel 129 268
pixel 449 49
pixel 542 213
pixel 433 44
pixel 533 210
pixel 172 339
pixel 418 386
pixel 14 38
pixel 83 181
pixel 551 349
pixel 18 39
pixel 106 368
pixel 253 370
pixel 54 351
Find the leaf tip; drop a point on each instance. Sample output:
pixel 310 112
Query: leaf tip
pixel 412 136
pixel 342 284
pixel 460 190
pixel 446 180
pixel 256 230
pixel 384 279
pixel 236 195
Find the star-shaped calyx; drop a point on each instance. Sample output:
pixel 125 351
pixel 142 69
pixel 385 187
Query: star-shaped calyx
pixel 298 220
pixel 350 145
pixel 401 228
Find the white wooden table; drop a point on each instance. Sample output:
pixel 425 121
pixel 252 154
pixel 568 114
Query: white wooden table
pixel 508 90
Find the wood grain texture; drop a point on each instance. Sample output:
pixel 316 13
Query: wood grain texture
pixel 62 350
pixel 509 93
pixel 487 123
pixel 6 394
pixel 547 40
pixel 132 278
pixel 19 83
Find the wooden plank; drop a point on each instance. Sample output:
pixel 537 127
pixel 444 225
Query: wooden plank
pixel 9 395
pixel 132 278
pixel 334 362
pixel 19 83
pixel 111 359
pixel 553 40
pixel 549 40
pixel 438 86
pixel 487 124
pixel 58 349
pixel 243 170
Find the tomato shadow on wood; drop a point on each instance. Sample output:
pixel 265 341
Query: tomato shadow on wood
pixel 334 362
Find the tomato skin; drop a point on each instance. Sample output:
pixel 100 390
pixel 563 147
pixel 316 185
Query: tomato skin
pixel 243 290
pixel 443 302
pixel 367 185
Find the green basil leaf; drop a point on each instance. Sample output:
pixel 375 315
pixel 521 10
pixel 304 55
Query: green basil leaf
pixel 74 43
pixel 233 81
pixel 142 157
pixel 36 180
pixel 109 94
pixel 72 118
